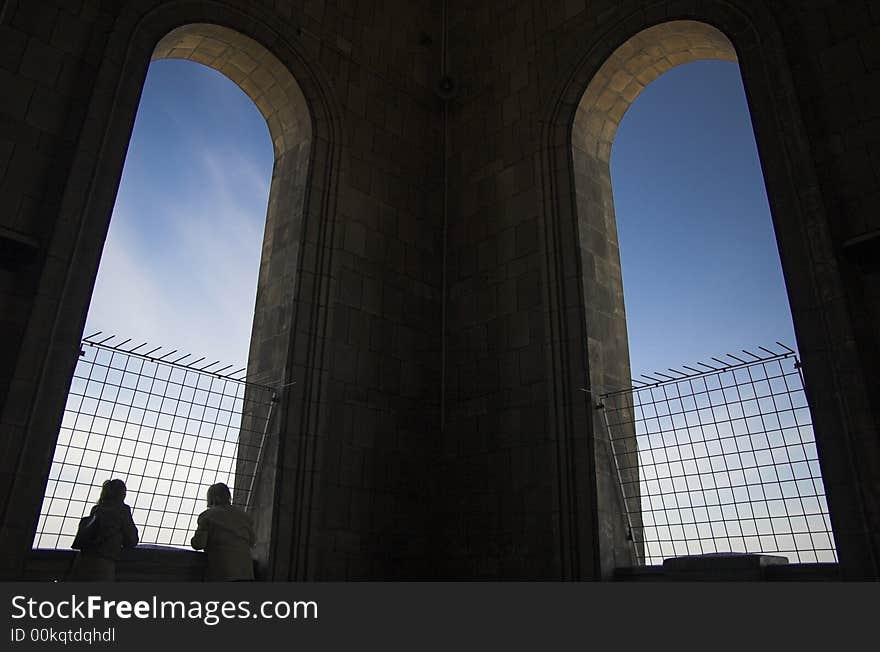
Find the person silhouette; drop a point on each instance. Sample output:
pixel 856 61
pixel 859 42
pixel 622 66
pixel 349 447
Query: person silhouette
pixel 102 536
pixel 226 534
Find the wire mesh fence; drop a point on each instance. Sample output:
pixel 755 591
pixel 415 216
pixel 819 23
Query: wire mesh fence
pixel 721 459
pixel 168 428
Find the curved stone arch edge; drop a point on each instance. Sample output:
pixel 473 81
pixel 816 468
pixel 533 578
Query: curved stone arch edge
pixel 97 164
pixel 760 51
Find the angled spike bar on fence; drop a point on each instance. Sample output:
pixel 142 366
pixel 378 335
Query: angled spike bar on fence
pixel 638 384
pixel 752 354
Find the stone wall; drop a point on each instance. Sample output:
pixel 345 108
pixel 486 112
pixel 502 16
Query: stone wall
pixel 437 427
pixel 349 291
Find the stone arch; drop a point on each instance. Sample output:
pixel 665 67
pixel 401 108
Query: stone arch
pixel 278 97
pixel 622 77
pixel 587 313
pixel 630 68
pixel 612 90
pixel 254 69
pixel 246 45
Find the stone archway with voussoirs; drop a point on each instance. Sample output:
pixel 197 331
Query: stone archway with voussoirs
pixel 275 92
pixel 624 75
pixel 302 117
pixel 583 258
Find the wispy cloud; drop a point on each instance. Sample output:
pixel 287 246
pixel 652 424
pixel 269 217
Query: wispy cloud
pixel 193 287
pixel 179 269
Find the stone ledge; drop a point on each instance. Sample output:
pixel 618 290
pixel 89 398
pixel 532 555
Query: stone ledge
pixel 729 568
pixel 723 562
pixel 144 563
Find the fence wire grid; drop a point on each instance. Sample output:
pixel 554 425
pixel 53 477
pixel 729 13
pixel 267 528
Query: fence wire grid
pixel 169 430
pixel 720 460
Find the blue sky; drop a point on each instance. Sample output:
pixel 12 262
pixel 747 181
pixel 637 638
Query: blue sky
pixel 183 250
pixel 701 268
pixel 700 265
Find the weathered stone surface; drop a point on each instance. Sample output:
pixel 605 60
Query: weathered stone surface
pixel 441 279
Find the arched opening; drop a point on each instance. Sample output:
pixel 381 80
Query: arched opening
pixel 239 414
pixel 179 269
pixel 714 459
pixel 631 67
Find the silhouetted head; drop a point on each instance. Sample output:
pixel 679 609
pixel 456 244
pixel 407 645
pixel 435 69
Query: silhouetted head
pixel 219 494
pixel 112 492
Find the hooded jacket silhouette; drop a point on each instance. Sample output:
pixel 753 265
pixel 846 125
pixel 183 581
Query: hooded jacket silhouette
pixel 107 532
pixel 226 533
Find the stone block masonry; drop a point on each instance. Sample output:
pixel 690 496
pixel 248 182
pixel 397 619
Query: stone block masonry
pixel 387 311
